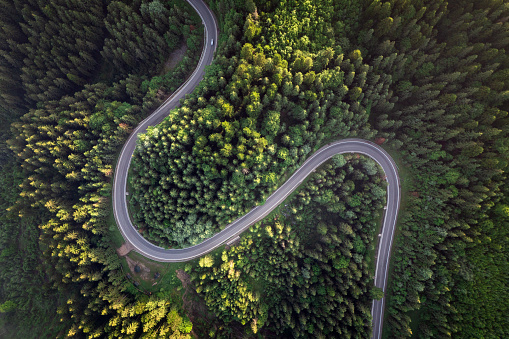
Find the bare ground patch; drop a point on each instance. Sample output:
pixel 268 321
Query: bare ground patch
pixel 174 58
pixel 124 249
pixel 144 272
pixel 193 303
pixel 195 306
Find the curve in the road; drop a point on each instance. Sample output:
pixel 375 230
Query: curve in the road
pixel 234 229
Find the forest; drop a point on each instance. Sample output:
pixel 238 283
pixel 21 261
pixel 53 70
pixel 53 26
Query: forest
pixel 67 124
pixel 305 271
pixel 426 79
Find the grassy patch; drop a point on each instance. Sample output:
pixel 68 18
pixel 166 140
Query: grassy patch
pixel 170 280
pixel 167 280
pixel 147 280
pixel 132 208
pixel 372 250
pixel 116 237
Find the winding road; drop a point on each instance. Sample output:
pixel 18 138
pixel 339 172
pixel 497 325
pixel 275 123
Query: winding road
pixel 233 230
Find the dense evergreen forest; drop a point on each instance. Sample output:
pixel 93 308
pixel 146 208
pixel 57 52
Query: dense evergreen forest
pixel 305 272
pixel 76 78
pixel 426 76
pixel 427 79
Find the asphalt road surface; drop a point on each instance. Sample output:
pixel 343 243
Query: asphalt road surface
pixel 234 229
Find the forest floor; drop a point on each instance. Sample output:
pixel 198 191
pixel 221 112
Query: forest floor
pixel 174 58
pixel 195 306
pixel 124 249
pixel 144 271
pixel 148 269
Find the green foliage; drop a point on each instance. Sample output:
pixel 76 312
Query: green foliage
pixel 58 264
pixel 206 261
pixel 51 50
pixel 150 317
pixel 299 25
pixel 287 277
pixel 377 293
pixel 52 61
pixel 430 84
pixel 449 115
pixel 8 306
pixel 429 77
pixel 211 158
pixel 25 297
pixel 139 37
